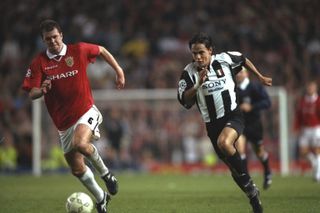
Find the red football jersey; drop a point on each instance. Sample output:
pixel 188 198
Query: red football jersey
pixel 70 95
pixel 308 112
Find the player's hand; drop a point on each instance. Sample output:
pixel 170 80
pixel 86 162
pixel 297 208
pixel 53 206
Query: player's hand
pixel 245 107
pixel 120 80
pixel 46 86
pixel 200 77
pixel 203 74
pixel 266 80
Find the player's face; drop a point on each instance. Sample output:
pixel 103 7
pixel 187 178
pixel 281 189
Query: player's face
pixel 312 88
pixel 201 54
pixel 53 40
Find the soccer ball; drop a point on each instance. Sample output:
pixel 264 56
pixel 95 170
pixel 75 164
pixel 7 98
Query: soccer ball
pixel 79 202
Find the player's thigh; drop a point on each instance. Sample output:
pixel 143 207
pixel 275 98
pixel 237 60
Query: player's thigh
pixel 241 144
pixel 76 162
pixel 304 150
pixel 82 134
pixel 227 137
pixel 315 143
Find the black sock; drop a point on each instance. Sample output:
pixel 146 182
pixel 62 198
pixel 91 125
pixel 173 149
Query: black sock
pixel 265 163
pixel 245 165
pixel 236 164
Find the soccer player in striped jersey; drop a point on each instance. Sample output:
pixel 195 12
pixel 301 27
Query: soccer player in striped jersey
pixel 253 98
pixel 209 82
pixel 59 74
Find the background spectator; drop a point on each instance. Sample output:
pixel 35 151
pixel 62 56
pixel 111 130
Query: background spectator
pixel 150 40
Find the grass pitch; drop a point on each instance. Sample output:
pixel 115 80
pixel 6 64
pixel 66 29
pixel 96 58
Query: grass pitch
pixel 145 193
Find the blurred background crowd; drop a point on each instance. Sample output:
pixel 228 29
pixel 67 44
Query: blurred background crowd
pixel 150 41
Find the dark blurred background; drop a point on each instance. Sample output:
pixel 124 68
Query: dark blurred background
pixel 149 39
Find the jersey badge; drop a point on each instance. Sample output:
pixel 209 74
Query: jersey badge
pixel 69 61
pixel 217 69
pixel 219 73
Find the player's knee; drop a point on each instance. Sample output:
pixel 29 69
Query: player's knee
pixel 82 147
pixel 224 144
pixel 78 172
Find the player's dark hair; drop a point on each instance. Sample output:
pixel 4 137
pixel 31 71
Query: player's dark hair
pixel 201 38
pixel 49 25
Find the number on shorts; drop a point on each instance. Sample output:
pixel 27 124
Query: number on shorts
pixel 90 120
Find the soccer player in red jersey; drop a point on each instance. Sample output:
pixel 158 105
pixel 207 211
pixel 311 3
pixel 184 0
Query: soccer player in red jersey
pixel 307 122
pixel 59 74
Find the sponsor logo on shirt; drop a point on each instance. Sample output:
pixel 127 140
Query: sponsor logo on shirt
pixel 69 61
pixel 51 67
pixel 63 75
pixel 212 86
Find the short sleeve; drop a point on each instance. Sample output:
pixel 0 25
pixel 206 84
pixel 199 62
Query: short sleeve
pixel 90 50
pixel 237 61
pixel 33 76
pixel 184 84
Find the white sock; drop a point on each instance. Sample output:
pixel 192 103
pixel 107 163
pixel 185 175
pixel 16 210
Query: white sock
pixel 318 168
pixel 312 159
pixel 90 183
pixel 97 162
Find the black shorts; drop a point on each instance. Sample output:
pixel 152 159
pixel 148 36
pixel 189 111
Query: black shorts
pixel 254 132
pixel 234 120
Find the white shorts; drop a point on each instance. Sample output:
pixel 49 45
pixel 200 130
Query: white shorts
pixel 92 118
pixel 310 136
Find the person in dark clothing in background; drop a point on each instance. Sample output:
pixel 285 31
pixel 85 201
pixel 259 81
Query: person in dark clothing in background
pixel 253 98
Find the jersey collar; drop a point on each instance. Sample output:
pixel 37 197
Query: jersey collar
pixel 61 53
pixel 243 85
pixel 311 98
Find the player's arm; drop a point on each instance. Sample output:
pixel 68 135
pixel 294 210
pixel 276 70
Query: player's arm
pixel 187 89
pixel 33 82
pixel 108 57
pixel 250 67
pixel 39 92
pixel 198 81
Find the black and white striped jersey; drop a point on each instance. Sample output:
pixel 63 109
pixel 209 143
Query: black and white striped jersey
pixel 216 97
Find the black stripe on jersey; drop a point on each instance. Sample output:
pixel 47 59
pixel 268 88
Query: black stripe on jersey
pixel 238 59
pixel 216 66
pixel 226 101
pixel 211 107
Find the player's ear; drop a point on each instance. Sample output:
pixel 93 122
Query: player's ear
pixel 210 50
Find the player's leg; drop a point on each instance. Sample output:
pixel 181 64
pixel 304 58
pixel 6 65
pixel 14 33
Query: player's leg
pixel 82 143
pixel 225 143
pixel 306 156
pixel 86 177
pixel 263 157
pixel 317 164
pixel 241 147
pixel 316 151
pixel 87 129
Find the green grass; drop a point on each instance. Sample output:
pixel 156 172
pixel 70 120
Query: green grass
pixel 142 193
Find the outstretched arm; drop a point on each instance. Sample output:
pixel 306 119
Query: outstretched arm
pixel 265 80
pixel 107 56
